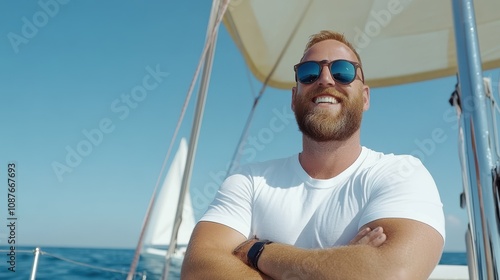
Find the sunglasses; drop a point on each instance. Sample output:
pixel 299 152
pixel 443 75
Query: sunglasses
pixel 343 71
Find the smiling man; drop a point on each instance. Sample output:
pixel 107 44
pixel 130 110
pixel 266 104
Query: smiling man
pixel 311 215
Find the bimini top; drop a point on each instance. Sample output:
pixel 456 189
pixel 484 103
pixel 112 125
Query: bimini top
pixel 400 41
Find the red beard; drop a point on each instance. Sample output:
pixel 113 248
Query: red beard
pixel 321 124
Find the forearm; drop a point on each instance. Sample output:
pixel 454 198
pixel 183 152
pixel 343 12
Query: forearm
pixel 217 266
pixel 411 251
pixel 209 255
pixel 354 262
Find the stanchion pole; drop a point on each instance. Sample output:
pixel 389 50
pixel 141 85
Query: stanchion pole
pixel 35 263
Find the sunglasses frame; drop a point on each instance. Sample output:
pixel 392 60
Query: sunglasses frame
pixel 329 64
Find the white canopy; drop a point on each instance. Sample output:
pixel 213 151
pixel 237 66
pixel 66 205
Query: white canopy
pixel 399 41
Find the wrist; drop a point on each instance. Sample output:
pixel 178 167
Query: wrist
pixel 255 251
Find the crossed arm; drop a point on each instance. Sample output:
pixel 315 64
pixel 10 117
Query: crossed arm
pixel 410 250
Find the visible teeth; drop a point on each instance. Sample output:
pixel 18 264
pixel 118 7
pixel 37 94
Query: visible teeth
pixel 325 99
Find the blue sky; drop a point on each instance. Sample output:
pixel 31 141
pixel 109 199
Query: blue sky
pixel 88 152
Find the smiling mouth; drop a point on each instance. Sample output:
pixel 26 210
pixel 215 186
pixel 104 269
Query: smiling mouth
pixel 325 99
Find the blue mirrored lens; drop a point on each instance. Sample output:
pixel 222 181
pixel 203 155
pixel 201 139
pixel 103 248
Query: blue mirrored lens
pixel 343 71
pixel 308 72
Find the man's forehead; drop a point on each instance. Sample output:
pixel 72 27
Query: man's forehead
pixel 329 50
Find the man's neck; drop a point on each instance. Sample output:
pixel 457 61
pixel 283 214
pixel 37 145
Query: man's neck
pixel 324 160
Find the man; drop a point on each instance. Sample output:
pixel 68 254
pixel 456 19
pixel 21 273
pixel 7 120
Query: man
pixel 311 205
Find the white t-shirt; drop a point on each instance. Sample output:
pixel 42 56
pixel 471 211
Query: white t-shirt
pixel 279 201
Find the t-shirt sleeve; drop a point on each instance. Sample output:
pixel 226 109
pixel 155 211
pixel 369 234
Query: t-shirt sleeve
pixel 404 188
pixel 232 204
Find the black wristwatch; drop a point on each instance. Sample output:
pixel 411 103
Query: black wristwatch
pixel 253 254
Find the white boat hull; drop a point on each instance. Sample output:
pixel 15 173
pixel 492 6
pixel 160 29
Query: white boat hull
pixel 449 272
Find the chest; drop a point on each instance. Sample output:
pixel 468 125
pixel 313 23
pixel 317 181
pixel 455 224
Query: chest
pixel 308 217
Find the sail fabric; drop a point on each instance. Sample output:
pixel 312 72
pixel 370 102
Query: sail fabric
pixel 162 220
pixel 399 41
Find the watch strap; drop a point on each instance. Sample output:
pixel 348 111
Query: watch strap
pixel 255 251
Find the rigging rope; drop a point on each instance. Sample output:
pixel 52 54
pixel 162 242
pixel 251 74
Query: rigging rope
pixel 244 133
pixel 86 265
pixel 208 42
pixel 216 16
pixel 142 275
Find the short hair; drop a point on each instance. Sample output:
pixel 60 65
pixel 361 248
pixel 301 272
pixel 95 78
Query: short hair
pixel 330 35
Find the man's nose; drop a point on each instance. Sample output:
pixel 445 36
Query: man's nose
pixel 325 77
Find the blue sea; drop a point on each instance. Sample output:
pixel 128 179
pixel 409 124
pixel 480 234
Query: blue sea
pixel 85 264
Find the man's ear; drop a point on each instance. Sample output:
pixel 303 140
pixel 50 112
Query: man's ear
pixel 366 97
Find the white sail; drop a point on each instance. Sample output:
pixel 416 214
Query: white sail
pixel 160 227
